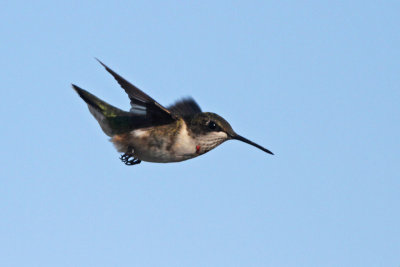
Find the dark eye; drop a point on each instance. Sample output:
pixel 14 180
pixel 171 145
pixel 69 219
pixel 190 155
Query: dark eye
pixel 212 125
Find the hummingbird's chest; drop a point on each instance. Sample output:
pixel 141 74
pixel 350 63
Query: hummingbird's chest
pixel 169 143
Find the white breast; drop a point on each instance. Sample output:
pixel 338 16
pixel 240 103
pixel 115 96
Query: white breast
pixel 183 148
pixel 185 145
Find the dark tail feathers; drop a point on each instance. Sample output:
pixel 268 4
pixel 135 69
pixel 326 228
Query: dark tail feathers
pixel 112 120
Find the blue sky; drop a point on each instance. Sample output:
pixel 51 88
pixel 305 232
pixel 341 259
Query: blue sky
pixel 316 82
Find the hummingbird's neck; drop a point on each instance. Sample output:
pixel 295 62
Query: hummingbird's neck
pixel 204 140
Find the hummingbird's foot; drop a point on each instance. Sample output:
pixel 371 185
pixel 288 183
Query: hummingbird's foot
pixel 129 159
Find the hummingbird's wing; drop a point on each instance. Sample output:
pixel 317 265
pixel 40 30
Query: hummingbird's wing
pixel 185 107
pixel 141 103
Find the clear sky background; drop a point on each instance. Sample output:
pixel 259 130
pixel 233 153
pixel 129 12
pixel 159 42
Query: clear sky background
pixel 316 82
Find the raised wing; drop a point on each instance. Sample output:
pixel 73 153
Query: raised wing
pixel 141 103
pixel 185 107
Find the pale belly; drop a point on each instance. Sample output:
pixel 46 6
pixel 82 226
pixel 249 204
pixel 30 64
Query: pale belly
pixel 153 145
pixel 163 149
pixel 162 156
pixel 163 152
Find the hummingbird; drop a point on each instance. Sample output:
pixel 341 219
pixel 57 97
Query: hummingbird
pixel 154 133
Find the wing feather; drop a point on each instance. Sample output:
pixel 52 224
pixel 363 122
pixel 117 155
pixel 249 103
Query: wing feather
pixel 185 107
pixel 141 103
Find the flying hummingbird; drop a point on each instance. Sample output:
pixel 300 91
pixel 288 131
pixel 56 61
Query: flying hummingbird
pixel 153 133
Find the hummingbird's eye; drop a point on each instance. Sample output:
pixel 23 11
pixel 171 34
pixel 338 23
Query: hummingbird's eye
pixel 212 125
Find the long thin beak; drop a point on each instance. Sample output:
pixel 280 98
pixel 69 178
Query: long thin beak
pixel 241 138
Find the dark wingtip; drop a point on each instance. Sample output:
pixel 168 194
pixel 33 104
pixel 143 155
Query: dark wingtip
pixel 98 60
pixel 113 73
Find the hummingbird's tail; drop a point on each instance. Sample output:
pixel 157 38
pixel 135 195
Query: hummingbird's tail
pixel 112 120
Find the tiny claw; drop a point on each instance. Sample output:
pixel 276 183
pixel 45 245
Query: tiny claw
pixel 129 159
pixel 133 162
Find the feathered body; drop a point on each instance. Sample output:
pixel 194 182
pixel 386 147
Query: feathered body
pixel 153 133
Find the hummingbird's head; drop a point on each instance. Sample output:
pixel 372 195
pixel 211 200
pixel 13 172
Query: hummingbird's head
pixel 210 130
